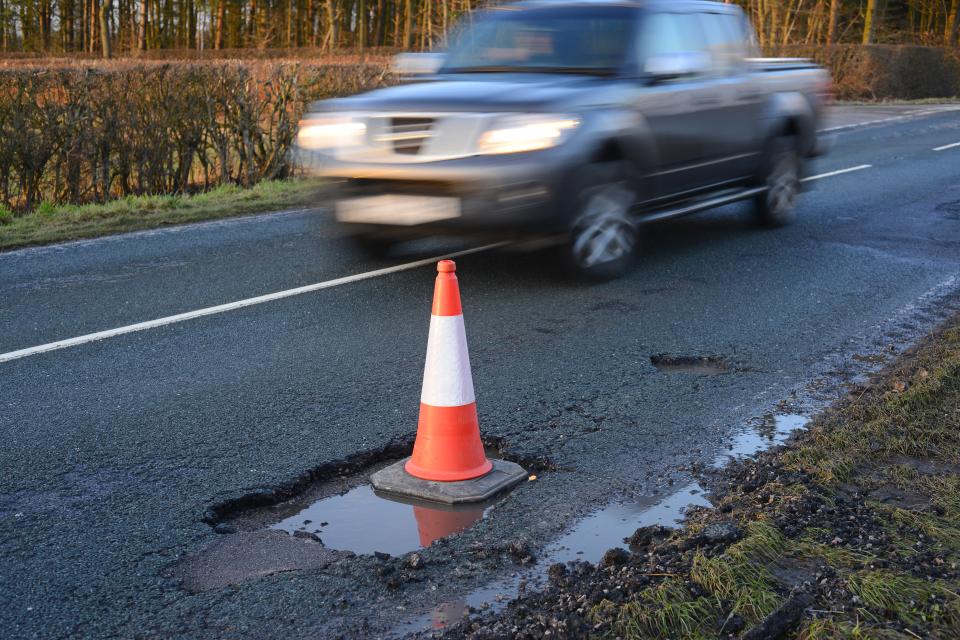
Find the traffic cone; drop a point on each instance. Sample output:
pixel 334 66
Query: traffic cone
pixel 448 446
pixel 448 464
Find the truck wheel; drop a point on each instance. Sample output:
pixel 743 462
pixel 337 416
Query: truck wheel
pixel 603 234
pixel 781 176
pixel 372 245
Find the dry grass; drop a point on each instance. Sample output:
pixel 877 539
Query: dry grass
pixel 50 223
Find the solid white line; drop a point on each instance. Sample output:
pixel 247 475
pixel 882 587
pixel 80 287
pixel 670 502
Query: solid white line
pixel 947 146
pixel 238 304
pixel 829 174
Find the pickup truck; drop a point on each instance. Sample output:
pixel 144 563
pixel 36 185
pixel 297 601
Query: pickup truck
pixel 575 120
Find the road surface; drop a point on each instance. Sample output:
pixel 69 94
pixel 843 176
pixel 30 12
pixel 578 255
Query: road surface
pixel 114 448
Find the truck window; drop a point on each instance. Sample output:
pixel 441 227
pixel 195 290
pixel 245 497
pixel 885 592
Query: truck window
pixel 725 39
pixel 664 34
pixel 562 39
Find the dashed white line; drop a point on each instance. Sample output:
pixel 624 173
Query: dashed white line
pixel 947 146
pixel 906 116
pixel 820 176
pixel 238 304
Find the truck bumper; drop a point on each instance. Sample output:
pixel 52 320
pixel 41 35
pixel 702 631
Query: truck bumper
pixel 498 196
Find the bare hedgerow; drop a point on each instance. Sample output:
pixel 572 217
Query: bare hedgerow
pixel 75 133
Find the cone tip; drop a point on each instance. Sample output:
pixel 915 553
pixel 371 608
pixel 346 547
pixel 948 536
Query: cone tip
pixel 446 266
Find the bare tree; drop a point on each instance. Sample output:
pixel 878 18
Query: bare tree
pixel 105 27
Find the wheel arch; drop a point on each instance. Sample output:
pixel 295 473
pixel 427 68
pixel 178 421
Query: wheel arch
pixel 790 113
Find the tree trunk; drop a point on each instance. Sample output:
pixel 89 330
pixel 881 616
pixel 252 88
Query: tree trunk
pixel 105 27
pixel 43 14
pixel 289 23
pixel 3 26
pixel 953 24
pixel 332 30
pixel 144 16
pixel 361 24
pixel 221 18
pixel 832 24
pixel 92 26
pixel 407 24
pixel 869 22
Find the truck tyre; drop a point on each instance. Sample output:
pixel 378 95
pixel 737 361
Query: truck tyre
pixel 372 245
pixel 775 207
pixel 603 235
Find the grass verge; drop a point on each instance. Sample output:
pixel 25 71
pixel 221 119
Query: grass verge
pixel 851 531
pixel 48 224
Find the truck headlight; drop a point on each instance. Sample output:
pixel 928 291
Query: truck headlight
pixel 530 132
pixel 318 132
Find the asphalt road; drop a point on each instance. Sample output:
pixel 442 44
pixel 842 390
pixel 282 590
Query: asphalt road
pixel 113 449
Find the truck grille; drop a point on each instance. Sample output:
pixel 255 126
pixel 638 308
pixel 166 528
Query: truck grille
pixel 407 135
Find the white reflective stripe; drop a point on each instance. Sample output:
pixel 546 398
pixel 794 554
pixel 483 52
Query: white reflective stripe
pixel 446 378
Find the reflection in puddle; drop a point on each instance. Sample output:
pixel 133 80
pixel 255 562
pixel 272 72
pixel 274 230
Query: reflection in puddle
pixel 588 541
pixel 364 522
pixel 774 429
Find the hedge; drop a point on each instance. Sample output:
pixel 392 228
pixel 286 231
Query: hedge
pixel 887 72
pixel 87 133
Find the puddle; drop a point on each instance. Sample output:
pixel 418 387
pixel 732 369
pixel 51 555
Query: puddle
pixel 605 529
pixel 588 541
pixel 700 365
pixel 772 430
pixel 364 522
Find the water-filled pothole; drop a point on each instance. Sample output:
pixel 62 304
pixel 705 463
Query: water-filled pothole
pixel 362 521
pixel 701 365
pixel 771 430
pixel 587 541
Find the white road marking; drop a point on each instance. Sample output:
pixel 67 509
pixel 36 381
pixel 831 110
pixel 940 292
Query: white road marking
pixel 238 304
pixel 906 116
pixel 947 146
pixel 829 174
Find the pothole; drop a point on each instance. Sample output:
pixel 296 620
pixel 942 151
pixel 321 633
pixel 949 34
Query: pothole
pixel 327 515
pixel 771 430
pixel 340 510
pixel 365 522
pixel 701 365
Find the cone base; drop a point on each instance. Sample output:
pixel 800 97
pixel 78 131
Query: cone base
pixel 418 471
pixel 397 481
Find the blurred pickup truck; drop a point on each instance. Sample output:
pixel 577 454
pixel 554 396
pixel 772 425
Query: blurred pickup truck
pixel 577 120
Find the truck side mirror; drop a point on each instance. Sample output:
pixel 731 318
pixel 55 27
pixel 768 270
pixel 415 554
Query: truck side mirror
pixel 678 64
pixel 417 64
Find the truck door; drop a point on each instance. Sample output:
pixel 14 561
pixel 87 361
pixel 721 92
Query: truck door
pixel 678 107
pixel 733 145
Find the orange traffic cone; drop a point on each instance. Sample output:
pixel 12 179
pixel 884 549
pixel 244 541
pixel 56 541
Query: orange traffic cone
pixel 448 464
pixel 448 446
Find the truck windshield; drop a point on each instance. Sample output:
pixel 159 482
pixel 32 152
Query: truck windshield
pixel 581 39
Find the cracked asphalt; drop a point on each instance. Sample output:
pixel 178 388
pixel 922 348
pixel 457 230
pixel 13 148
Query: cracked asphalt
pixel 114 450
